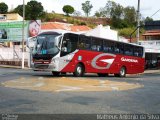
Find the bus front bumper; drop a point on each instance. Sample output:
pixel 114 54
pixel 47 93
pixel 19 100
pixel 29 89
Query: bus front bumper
pixel 43 67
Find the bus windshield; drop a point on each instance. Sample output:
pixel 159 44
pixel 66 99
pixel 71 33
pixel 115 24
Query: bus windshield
pixel 47 44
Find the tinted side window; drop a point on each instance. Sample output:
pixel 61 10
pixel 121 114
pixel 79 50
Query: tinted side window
pixel 141 50
pixel 69 43
pixel 119 48
pixel 84 42
pixel 138 51
pixel 73 42
pixel 108 46
pixel 128 50
pixel 97 44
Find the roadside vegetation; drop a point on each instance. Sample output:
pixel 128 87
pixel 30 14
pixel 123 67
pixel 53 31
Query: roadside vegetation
pixel 118 17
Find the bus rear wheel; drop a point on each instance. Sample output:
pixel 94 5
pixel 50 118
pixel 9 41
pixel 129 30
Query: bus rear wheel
pixel 102 74
pixel 79 70
pixel 122 72
pixel 55 73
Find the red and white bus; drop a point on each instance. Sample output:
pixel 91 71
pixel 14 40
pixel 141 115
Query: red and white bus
pixel 62 52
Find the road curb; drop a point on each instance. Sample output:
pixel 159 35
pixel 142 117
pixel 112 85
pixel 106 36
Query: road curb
pixel 27 68
pixel 15 67
pixel 152 71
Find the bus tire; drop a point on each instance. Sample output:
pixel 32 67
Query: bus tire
pixel 55 73
pixel 63 73
pixel 79 70
pixel 102 74
pixel 122 72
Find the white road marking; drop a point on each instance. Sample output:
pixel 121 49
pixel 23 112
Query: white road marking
pixel 115 88
pixel 39 84
pixel 68 88
pixel 40 78
pixel 102 83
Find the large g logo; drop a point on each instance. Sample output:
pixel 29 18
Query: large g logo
pixel 109 61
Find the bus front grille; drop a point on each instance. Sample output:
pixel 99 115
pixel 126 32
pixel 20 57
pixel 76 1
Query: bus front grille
pixel 40 66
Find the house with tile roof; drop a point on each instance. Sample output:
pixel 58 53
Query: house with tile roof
pixel 63 26
pixel 151 43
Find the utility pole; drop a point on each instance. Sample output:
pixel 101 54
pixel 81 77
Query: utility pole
pixel 138 20
pixel 23 37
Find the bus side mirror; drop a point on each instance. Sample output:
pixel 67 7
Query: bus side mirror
pixel 64 49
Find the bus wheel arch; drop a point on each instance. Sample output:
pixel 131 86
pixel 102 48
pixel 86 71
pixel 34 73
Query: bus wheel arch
pixel 79 70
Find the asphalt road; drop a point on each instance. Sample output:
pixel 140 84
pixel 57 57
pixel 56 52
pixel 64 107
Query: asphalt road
pixel 143 100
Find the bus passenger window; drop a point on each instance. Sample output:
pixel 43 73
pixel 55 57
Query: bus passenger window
pixel 94 47
pixel 108 46
pixel 136 54
pixel 81 45
pixel 128 50
pixel 105 46
pixel 121 48
pixel 87 46
pixel 97 44
pixel 111 47
pixel 84 42
pixel 138 51
pixel 105 49
pixel 116 49
pixel 99 48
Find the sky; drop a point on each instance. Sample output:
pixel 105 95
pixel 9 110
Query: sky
pixel 147 7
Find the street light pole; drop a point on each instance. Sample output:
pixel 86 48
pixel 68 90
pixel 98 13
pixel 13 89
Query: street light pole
pixel 138 20
pixel 23 37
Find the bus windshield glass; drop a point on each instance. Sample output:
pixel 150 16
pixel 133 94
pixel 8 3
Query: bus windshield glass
pixel 47 44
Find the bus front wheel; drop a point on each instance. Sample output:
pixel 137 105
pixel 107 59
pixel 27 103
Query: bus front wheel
pixel 79 70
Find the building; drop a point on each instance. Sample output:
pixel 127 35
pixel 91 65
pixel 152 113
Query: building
pixel 152 44
pixel 10 17
pixel 13 17
pixel 63 26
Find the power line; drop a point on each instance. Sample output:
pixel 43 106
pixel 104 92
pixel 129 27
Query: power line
pixel 155 13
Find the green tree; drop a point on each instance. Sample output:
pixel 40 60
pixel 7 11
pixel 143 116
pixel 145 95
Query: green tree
pixel 110 5
pixel 77 13
pixel 107 9
pixel 130 16
pixel 126 32
pixel 34 10
pixel 148 19
pixel 19 10
pixel 68 9
pixel 86 7
pixel 120 17
pixel 116 15
pixel 116 11
pixel 100 13
pixel 3 8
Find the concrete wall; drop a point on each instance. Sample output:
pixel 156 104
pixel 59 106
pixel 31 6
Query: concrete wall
pixel 11 54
